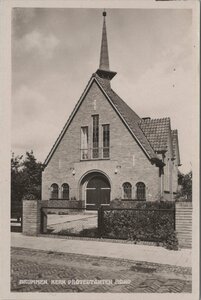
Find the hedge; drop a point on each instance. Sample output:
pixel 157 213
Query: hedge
pixel 130 203
pixel 148 223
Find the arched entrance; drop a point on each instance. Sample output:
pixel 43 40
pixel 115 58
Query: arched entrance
pixel 97 190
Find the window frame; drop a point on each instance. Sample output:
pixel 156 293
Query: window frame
pixel 84 151
pixel 141 192
pixel 52 196
pixel 95 137
pixel 128 189
pixel 107 147
pixel 62 191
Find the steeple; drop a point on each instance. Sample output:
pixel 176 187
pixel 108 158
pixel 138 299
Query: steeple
pixel 104 57
pixel 104 69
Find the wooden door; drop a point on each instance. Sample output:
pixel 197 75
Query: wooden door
pixel 98 192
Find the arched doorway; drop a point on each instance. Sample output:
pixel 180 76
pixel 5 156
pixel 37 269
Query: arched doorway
pixel 97 190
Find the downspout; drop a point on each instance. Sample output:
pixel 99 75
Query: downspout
pixel 162 182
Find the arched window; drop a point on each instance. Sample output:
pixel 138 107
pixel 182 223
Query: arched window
pixel 141 191
pixel 65 191
pixel 127 190
pixel 54 191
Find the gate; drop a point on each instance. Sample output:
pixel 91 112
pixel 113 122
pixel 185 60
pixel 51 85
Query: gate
pixel 69 222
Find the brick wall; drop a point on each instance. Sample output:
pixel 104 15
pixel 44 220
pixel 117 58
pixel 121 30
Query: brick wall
pixel 124 152
pixel 31 217
pixel 62 203
pixel 183 221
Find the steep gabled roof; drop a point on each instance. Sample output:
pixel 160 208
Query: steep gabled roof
pixel 175 145
pixel 122 107
pixel 156 131
pixel 128 116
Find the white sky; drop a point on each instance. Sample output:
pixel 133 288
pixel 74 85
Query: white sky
pixel 55 51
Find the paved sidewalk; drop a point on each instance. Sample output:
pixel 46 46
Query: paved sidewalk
pixel 152 254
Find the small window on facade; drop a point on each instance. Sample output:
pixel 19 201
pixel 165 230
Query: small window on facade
pixel 140 192
pixel 127 190
pixel 54 191
pixel 84 143
pixel 106 141
pixel 65 191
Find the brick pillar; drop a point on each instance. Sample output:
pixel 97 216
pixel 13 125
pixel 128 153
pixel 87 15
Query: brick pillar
pixel 31 217
pixel 183 219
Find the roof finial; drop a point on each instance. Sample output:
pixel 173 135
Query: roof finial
pixel 104 69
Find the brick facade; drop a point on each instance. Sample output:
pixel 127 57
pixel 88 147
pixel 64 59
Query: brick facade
pixel 126 155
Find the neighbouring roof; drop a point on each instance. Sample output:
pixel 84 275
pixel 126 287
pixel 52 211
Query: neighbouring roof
pixel 156 131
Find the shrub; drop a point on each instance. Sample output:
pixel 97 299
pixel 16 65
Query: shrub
pixel 145 224
pixel 121 203
pixel 29 197
pixel 171 242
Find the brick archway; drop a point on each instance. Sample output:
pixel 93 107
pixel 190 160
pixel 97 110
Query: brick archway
pixel 95 189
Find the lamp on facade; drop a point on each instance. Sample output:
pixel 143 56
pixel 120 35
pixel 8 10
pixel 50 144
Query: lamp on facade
pixel 116 169
pixel 73 171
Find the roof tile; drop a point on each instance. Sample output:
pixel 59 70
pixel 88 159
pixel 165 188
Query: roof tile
pixel 156 131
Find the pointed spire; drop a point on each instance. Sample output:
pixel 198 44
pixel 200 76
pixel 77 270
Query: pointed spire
pixel 104 69
pixel 104 57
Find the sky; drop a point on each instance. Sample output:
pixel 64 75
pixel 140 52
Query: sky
pixel 55 52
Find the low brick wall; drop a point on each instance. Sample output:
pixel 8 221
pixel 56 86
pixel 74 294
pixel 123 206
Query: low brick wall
pixel 183 223
pixel 124 204
pixel 65 206
pixel 31 217
pixel 62 203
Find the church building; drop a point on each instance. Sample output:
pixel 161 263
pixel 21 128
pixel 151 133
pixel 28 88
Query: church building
pixel 106 151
